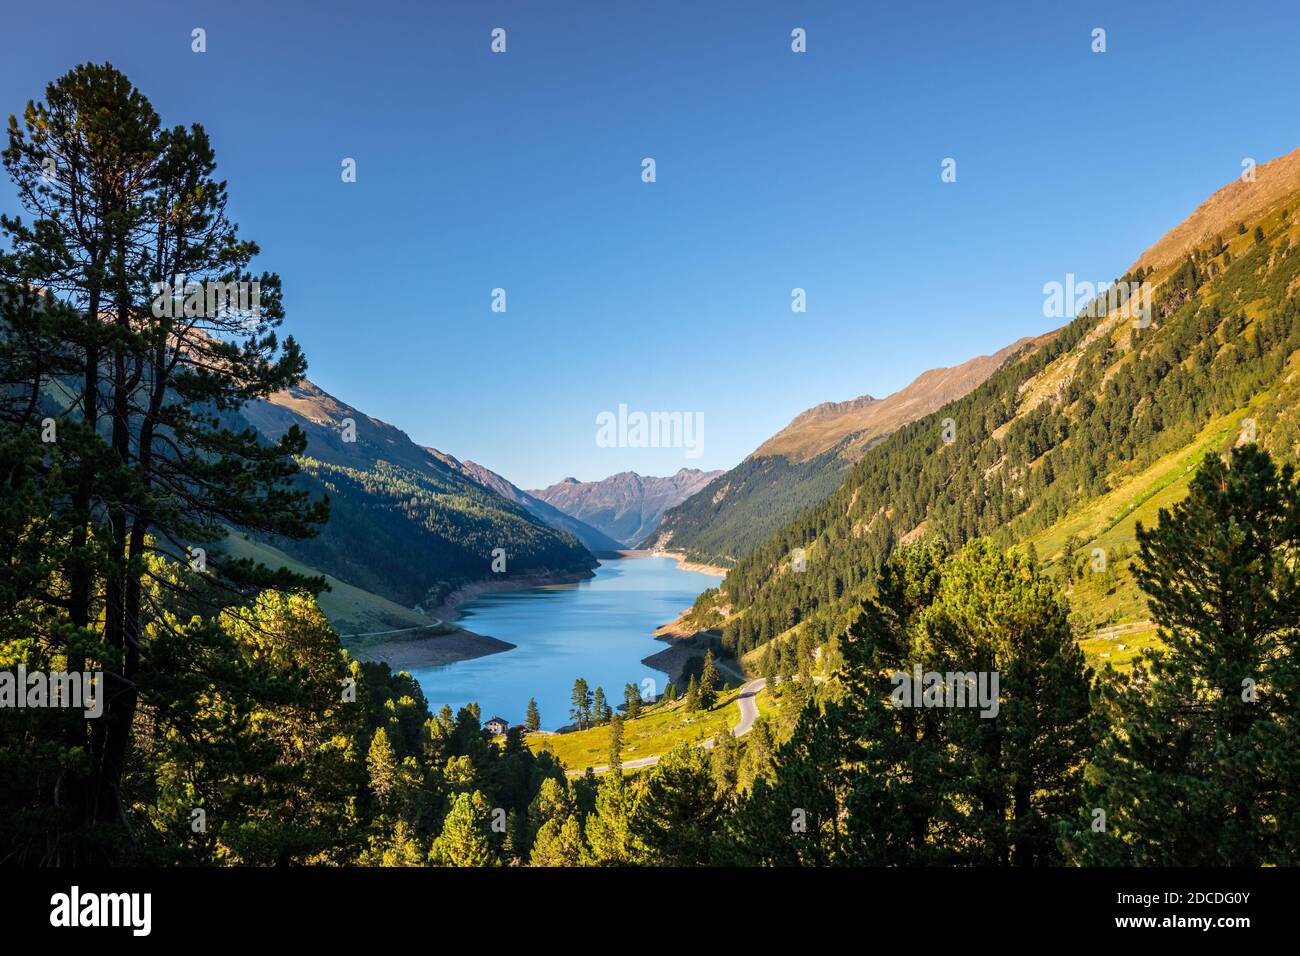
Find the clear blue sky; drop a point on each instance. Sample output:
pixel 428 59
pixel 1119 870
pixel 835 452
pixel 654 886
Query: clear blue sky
pixel 775 170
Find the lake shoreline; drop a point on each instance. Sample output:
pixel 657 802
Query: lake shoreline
pixel 683 562
pixel 441 642
pixel 411 650
pixel 449 608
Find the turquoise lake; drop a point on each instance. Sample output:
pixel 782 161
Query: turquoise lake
pixel 598 629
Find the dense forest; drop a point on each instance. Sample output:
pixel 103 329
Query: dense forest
pixel 412 536
pixel 236 730
pixel 742 508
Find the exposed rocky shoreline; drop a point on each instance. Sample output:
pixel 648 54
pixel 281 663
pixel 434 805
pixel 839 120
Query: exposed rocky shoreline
pixel 448 608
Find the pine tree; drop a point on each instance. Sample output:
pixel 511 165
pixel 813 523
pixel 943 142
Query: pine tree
pixel 632 700
pixel 725 760
pixel 464 839
pixel 599 706
pixel 558 843
pixel 533 717
pixel 756 764
pixel 608 835
pixel 1020 767
pixel 153 464
pixel 381 761
pixel 580 702
pixel 616 744
pixel 692 695
pixel 708 686
pixel 795 818
pixel 1203 762
pixel 677 813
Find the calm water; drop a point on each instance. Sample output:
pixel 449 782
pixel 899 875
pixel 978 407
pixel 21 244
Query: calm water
pixel 598 629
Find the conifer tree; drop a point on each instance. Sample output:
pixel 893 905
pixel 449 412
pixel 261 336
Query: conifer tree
pixel 678 810
pixel 533 716
pixel 692 695
pixel 148 385
pixel 464 839
pixel 1203 761
pixel 609 837
pixel 616 744
pixel 580 703
pixel 632 700
pixel 558 843
pixel 708 686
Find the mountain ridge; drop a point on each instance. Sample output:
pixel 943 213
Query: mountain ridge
pixel 626 506
pixel 1066 447
pixel 410 526
pixel 804 462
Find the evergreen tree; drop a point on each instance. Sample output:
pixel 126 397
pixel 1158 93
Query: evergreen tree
pixel 152 465
pixel 616 744
pixel 558 843
pixel 708 686
pixel 632 700
pixel 464 839
pixel 678 810
pixel 1020 768
pixel 599 706
pixel 795 818
pixel 580 703
pixel 533 716
pixel 692 695
pixel 725 761
pixel 756 763
pixel 1202 764
pixel 608 832
pixel 381 761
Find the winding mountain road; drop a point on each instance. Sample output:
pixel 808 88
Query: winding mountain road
pixel 748 714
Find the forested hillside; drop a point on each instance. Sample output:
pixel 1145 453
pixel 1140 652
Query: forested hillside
pixel 1071 419
pixel 803 463
pixel 593 538
pixel 406 524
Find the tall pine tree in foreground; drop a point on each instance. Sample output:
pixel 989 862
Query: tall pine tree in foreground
pixel 1202 765
pixel 143 387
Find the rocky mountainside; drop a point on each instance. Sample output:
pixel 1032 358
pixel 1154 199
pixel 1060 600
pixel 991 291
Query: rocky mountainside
pixel 626 506
pixel 594 539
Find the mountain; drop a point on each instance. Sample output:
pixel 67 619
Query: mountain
pixel 1076 438
pixel 405 524
pixel 804 463
pixel 594 539
pixel 626 506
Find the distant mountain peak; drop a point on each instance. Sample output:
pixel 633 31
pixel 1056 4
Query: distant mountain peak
pixel 626 506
